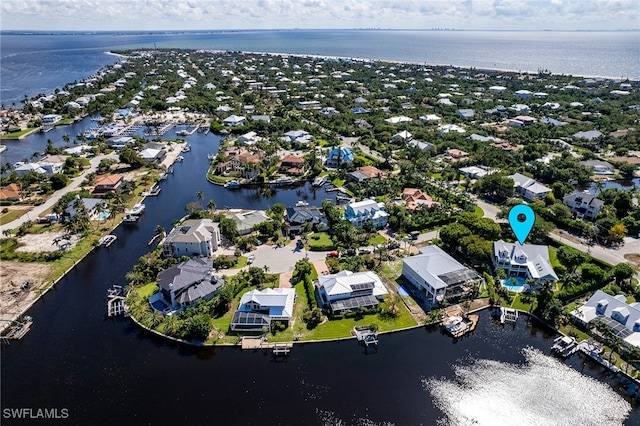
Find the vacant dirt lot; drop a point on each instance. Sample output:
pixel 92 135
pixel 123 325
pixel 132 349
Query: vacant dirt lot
pixel 13 297
pixel 37 243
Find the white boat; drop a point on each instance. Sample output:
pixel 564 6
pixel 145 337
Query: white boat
pixel 564 346
pixel 137 210
pixel 187 148
pixel 182 133
pixel 302 204
pixel 155 190
pixel 319 181
pixel 107 240
pixel 179 158
pixel 232 184
pixel 130 218
pixel 211 156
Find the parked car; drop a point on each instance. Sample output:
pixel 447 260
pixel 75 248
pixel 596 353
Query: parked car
pixel 333 254
pixel 393 245
pixel 350 252
pixel 414 235
pixel 250 259
pixel 364 251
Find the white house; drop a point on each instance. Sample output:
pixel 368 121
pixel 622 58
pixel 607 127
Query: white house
pixel 300 136
pixel 359 212
pixel 50 119
pixel 234 120
pixel 583 205
pixel 194 237
pixel 622 317
pixel 529 261
pixel 258 308
pixel 347 290
pixel 529 188
pixel 438 275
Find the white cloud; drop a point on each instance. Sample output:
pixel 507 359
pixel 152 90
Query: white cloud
pixel 259 14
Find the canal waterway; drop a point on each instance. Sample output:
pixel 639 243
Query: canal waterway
pixel 110 371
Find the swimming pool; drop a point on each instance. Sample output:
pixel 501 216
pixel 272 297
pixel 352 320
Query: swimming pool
pixel 516 287
pixel 402 291
pixel 104 215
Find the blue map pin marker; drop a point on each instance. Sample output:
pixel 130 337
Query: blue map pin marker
pixel 521 229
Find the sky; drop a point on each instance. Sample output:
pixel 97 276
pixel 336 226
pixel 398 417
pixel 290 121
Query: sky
pixel 114 15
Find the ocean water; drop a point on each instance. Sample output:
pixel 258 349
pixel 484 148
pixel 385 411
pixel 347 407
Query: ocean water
pixel 36 63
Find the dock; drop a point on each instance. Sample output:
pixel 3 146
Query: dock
pixel 107 240
pixel 367 337
pixel 116 305
pixel 508 315
pixel 260 342
pixel 17 329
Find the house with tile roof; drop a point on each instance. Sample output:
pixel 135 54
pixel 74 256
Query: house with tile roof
pixel 11 192
pixel 415 198
pixel 106 184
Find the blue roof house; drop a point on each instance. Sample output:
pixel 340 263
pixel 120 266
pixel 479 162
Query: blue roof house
pixel 338 155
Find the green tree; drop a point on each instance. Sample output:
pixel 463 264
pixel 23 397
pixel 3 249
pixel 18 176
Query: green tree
pixel 571 258
pixel 621 272
pixel 198 327
pixel 59 181
pixel 131 157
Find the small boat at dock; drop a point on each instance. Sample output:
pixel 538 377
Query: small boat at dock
pixel 232 184
pixel 564 346
pixel 155 190
pixel 302 204
pixel 107 240
pixel 137 210
pixel 319 181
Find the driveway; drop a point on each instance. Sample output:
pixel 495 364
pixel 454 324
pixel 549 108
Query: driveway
pixel 74 185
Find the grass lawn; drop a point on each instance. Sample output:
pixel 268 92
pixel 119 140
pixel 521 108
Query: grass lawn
pixel 13 215
pixel 323 242
pixel 338 182
pixel 147 289
pixel 377 240
pixel 553 257
pixel 478 211
pixel 242 262
pixel 17 134
pixel 518 304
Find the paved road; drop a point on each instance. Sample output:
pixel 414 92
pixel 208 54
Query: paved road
pixel 74 185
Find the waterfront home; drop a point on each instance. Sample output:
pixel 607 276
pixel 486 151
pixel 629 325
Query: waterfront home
pixel 194 237
pixel 415 198
pixel 11 192
pixel 51 119
pixel 359 212
pixel 583 205
pixel 438 276
pixel 185 285
pixel 249 138
pixel 299 215
pixel 258 308
pixel 366 172
pixel 623 318
pixel 152 155
pixel 246 163
pixel 234 121
pixel 292 165
pixel 347 290
pixel 41 168
pixel 108 184
pixel 529 261
pixel 528 188
pixel 599 167
pixel 246 221
pixel 338 155
pixel 91 206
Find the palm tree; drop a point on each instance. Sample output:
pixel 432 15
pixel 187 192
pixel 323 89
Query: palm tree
pixel 200 196
pixel 211 205
pixel 160 230
pixel 598 185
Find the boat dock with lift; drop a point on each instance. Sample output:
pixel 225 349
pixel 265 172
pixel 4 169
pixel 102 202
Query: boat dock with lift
pixel 116 305
pixel 508 315
pixel 366 337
